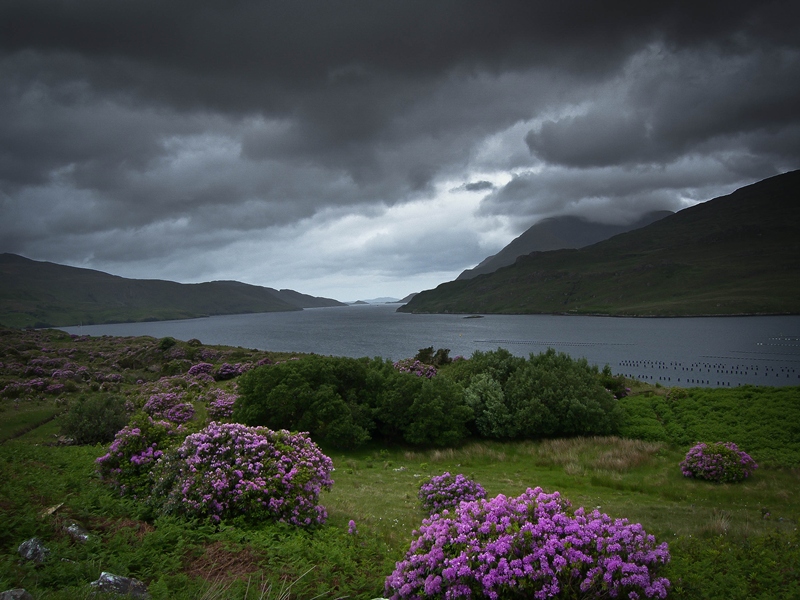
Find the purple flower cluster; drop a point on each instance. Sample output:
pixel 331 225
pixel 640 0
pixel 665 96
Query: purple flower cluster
pixel 447 491
pixel 127 464
pixel 201 368
pixel 220 403
pixel 415 367
pixel 158 404
pixel 180 413
pixel 229 371
pixel 721 462
pixel 229 469
pixel 532 546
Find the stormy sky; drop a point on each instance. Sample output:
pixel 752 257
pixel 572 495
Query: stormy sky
pixel 362 148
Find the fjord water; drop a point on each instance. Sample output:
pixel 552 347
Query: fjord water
pixel 698 351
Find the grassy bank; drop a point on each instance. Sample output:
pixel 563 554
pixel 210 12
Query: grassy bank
pixel 726 540
pixel 741 537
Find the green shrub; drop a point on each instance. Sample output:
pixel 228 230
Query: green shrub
pixel 94 420
pixel 556 395
pixel 345 402
pixel 326 396
pixel 136 448
pixel 486 399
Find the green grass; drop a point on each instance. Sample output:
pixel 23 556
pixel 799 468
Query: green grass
pixel 709 527
pixel 764 421
pixel 731 541
pixel 18 417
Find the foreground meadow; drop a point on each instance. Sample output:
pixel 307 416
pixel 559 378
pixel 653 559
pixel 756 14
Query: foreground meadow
pixel 726 540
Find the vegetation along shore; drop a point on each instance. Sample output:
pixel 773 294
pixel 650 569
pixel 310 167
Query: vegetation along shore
pixel 183 470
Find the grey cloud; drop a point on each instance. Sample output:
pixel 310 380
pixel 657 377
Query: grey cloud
pixel 672 104
pixel 149 131
pixel 617 194
pixel 478 186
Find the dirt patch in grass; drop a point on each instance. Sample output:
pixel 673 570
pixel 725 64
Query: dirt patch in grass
pixel 222 564
pixel 111 527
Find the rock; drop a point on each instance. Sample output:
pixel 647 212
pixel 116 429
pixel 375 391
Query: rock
pixel 33 549
pixel 124 586
pixel 76 532
pixel 15 594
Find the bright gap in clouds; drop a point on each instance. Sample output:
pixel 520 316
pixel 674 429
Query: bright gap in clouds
pixel 401 249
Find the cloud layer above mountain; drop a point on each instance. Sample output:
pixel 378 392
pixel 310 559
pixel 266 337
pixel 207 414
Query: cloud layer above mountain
pixel 360 149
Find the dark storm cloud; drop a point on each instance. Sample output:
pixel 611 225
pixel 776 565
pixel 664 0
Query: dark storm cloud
pixel 170 130
pixel 679 104
pixel 478 186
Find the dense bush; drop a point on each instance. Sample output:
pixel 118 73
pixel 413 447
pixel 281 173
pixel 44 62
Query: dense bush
pixel 229 470
pixel 554 395
pixel 721 462
pixel 345 402
pixel 532 546
pixel 135 449
pixel 447 491
pixel 415 367
pixel 547 395
pixel 220 403
pixel 94 420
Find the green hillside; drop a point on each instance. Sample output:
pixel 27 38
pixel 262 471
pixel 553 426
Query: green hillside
pixel 737 254
pixel 39 294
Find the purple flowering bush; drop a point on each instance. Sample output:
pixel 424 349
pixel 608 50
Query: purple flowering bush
pixel 136 447
pixel 229 371
pixel 415 367
pixel 202 368
pixel 159 404
pixel 721 462
pixel 180 413
pixel 220 403
pixel 229 469
pixel 531 546
pixel 447 491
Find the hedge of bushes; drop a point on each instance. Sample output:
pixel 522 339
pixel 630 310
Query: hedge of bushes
pixel 346 402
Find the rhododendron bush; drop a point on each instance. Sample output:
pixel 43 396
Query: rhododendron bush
pixel 448 491
pixel 532 546
pixel 722 462
pixel 229 469
pixel 134 451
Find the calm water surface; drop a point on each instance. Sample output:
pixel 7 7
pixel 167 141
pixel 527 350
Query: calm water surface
pixel 704 351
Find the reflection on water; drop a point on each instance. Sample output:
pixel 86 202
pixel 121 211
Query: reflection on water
pixel 700 351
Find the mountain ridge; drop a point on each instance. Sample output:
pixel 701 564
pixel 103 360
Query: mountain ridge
pixel 557 233
pixel 45 294
pixel 733 255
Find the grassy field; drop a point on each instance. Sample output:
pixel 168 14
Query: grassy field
pixel 733 535
pixel 731 541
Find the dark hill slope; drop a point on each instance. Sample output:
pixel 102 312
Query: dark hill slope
pixel 557 233
pixel 34 293
pixel 737 254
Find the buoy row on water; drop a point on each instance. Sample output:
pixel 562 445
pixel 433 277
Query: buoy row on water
pixel 691 373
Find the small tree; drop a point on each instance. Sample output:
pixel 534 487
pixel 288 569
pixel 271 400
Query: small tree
pixel 94 420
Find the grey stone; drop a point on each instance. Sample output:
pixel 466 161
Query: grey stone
pixel 33 549
pixel 15 594
pixel 124 586
pixel 77 533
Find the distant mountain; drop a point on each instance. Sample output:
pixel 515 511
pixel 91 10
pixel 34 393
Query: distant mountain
pixel 382 300
pixel 737 254
pixel 557 233
pixel 39 294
